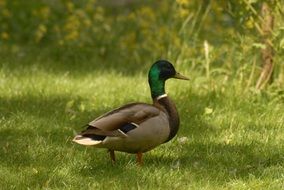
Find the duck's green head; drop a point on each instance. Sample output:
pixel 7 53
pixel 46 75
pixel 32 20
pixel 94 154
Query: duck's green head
pixel 159 72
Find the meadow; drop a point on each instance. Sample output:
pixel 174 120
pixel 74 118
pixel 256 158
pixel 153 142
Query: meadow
pixel 231 134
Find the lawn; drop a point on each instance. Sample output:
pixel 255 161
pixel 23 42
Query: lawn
pixel 230 137
pixel 64 63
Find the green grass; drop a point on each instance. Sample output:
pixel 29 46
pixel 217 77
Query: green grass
pixel 240 145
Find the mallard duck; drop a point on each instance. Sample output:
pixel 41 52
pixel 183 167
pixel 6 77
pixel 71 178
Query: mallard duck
pixel 137 127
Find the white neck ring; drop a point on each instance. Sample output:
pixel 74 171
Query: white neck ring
pixel 161 96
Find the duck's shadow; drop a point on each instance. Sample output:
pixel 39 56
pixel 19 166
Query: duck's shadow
pixel 233 161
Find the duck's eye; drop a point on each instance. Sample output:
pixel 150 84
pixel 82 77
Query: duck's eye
pixel 167 73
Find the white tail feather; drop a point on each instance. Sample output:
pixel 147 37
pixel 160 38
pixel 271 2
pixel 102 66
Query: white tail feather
pixel 85 141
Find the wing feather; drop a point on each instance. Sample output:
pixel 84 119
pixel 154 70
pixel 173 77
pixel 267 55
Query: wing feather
pixel 110 123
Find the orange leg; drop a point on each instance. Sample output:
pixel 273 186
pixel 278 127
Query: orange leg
pixel 112 155
pixel 139 158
